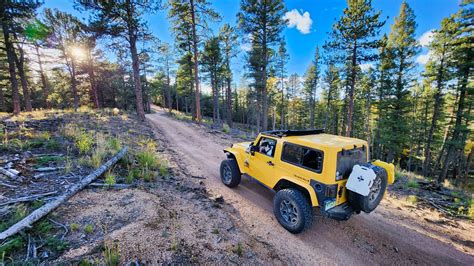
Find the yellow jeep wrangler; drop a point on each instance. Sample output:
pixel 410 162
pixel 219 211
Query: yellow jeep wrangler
pixel 308 168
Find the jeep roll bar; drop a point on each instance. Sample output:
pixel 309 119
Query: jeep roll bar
pixel 288 133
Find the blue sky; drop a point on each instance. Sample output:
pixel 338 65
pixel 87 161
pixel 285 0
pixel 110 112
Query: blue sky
pixel 301 39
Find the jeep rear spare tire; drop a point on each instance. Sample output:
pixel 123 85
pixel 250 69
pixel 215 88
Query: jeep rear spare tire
pixel 376 191
pixel 292 210
pixel 230 173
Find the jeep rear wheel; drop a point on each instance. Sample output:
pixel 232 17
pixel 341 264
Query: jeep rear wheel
pixel 230 173
pixel 292 210
pixel 368 203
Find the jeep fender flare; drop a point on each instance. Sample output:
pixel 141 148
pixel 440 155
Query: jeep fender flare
pixel 232 154
pixel 304 188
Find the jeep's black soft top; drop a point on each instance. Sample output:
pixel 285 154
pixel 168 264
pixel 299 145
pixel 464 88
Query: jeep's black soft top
pixel 289 132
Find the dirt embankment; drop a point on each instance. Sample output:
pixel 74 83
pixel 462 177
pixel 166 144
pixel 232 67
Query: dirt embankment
pixel 396 233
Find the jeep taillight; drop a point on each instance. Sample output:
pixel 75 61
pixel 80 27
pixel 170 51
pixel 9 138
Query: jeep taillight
pixel 339 176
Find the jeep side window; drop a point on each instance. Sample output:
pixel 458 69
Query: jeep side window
pixel 303 157
pixel 267 146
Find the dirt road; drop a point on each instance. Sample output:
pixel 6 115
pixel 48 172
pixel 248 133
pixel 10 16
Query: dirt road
pixel 378 238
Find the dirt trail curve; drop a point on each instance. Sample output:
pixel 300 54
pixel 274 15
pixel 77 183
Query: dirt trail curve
pixel 378 238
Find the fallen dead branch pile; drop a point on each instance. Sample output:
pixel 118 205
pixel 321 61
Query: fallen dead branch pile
pixel 45 209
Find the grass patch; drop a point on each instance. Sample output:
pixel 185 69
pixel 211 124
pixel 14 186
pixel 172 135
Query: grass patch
pixel 412 183
pixel 45 160
pixel 147 159
pixel 239 250
pixel 111 255
pixel 89 229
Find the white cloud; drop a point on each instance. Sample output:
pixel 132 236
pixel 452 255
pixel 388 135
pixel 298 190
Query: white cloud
pixel 366 66
pixel 423 58
pixel 302 21
pixel 426 38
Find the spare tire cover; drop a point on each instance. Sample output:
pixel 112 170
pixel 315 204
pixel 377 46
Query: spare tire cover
pixel 361 183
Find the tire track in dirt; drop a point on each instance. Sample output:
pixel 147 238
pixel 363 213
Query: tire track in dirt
pixel 363 239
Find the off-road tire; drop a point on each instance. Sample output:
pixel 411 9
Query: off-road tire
pixel 234 179
pixel 363 203
pixel 301 204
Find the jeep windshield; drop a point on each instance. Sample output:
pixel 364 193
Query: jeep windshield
pixel 346 159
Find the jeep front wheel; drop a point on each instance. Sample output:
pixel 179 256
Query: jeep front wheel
pixel 230 173
pixel 292 210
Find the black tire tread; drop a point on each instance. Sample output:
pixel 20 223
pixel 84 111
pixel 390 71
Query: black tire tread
pixel 236 175
pixel 300 200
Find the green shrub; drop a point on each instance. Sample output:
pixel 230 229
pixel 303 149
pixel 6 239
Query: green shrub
pixel 84 142
pixel 74 226
pixel 89 229
pixel 110 178
pixel 225 128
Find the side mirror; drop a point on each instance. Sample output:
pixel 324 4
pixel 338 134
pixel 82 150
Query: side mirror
pixel 253 149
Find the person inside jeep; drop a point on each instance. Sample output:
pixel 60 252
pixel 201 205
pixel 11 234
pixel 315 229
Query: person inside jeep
pixel 267 146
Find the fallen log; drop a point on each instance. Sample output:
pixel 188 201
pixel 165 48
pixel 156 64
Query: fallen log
pixel 47 208
pixel 28 198
pixel 8 173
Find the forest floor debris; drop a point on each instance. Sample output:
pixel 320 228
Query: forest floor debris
pixel 144 210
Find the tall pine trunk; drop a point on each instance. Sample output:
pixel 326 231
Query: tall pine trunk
pixel 11 65
pixel 350 107
pixel 229 101
pixel 197 93
pixel 94 91
pixel 136 73
pixel 436 114
pixel 20 65
pixel 456 137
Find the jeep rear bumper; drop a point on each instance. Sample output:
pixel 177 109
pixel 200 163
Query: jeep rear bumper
pixel 341 212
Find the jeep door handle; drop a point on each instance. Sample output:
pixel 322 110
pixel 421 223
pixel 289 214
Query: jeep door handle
pixel 270 163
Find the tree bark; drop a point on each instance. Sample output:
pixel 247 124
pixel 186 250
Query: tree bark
pixel 350 109
pixel 434 119
pixel 136 77
pixel 197 93
pixel 94 92
pixel 24 83
pixel 11 64
pixel 456 137
pixel 168 87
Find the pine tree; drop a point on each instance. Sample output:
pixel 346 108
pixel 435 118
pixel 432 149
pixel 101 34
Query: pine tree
pixel 332 80
pixel 281 60
pixel 228 37
pixel 439 71
pixel 353 39
pixel 263 21
pixel 461 41
pixel 402 46
pixel 190 19
pixel 67 33
pixel 311 84
pixel 124 19
pixel 11 12
pixel 213 65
